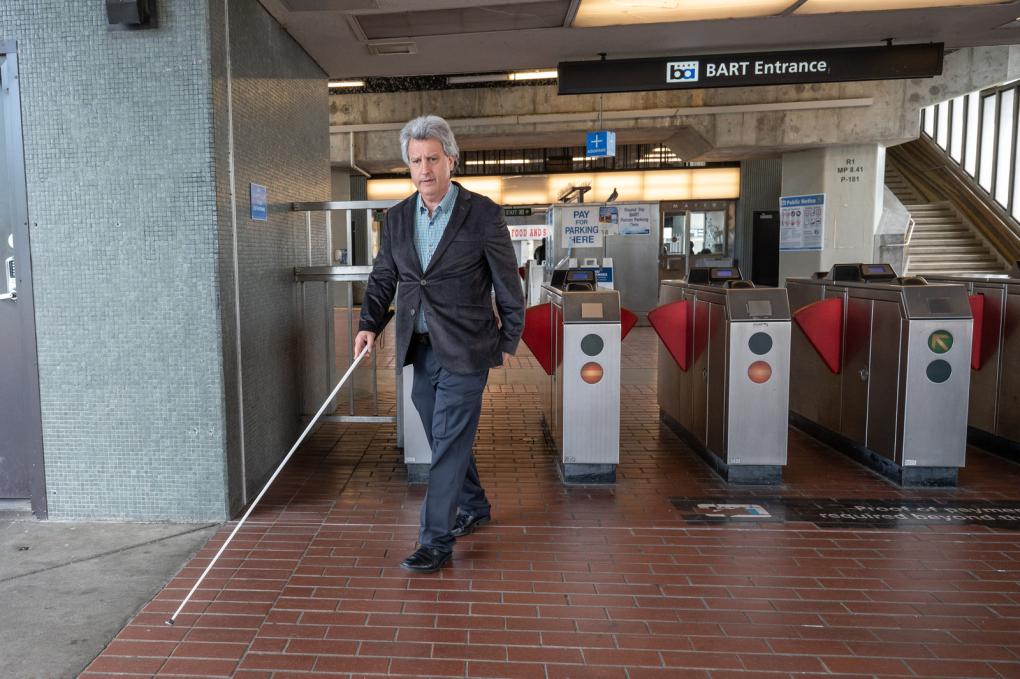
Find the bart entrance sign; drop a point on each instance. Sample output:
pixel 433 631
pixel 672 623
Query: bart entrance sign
pixel 751 68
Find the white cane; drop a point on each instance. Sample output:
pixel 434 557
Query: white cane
pixel 272 478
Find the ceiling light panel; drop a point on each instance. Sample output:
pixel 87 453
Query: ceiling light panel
pixel 329 5
pixel 833 6
pixel 623 12
pixel 511 17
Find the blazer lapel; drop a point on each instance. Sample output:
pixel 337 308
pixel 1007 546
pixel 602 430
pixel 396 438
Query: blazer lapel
pixel 461 206
pixel 407 233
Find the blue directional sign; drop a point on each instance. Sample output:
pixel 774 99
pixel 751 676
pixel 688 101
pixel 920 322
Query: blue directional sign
pixel 259 203
pixel 601 144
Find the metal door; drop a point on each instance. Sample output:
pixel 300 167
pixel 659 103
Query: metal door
pixel 765 247
pixel 21 461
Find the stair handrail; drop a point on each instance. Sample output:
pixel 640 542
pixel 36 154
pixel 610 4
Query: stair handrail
pixel 1005 242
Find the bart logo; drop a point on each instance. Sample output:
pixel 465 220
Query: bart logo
pixel 682 72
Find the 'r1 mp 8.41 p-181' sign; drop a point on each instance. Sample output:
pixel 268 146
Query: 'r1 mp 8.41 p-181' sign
pixel 749 69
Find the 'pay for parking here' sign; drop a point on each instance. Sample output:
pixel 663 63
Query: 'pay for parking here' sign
pixel 581 227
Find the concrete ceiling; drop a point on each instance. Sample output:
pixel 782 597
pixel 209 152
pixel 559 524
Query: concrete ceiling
pixel 338 33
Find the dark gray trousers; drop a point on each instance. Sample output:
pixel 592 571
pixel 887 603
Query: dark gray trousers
pixel 449 406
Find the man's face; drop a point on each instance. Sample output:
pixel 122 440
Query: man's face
pixel 430 167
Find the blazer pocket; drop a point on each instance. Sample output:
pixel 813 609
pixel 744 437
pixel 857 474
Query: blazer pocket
pixel 479 313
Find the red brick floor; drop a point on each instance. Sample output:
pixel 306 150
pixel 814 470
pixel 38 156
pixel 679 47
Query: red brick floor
pixel 585 582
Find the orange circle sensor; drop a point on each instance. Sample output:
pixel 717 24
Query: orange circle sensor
pixel 759 372
pixel 591 372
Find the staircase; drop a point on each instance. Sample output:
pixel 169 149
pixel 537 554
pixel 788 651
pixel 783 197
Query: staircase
pixel 942 242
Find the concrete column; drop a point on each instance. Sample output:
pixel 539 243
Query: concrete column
pixel 852 178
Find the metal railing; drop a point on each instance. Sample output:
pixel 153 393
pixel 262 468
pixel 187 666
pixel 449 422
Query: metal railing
pixel 347 276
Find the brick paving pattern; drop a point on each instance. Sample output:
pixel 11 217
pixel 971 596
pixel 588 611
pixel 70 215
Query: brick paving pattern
pixel 584 582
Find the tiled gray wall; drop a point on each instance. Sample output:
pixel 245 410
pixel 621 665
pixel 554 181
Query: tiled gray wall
pixel 118 151
pixel 279 111
pixel 126 151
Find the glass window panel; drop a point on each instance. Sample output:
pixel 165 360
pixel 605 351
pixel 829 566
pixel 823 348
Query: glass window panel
pixel 971 138
pixel 1005 147
pixel 956 136
pixel 1016 187
pixel 942 129
pixel 928 120
pixel 987 142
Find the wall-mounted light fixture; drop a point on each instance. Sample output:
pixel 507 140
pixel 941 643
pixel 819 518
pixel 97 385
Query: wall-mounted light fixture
pixel 346 83
pixel 131 14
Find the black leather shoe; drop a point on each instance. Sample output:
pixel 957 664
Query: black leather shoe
pixel 465 524
pixel 426 560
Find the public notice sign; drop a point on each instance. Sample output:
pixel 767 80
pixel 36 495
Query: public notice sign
pixel 751 68
pixel 801 222
pixel 635 220
pixel 581 227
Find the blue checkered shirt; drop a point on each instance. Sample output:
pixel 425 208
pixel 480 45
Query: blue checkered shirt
pixel 427 232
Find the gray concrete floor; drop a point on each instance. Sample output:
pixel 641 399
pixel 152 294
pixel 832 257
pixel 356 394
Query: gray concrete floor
pixel 66 589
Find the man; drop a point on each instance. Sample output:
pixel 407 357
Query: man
pixel 443 249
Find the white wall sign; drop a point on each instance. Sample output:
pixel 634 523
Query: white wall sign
pixel 528 231
pixel 635 220
pixel 801 222
pixel 581 227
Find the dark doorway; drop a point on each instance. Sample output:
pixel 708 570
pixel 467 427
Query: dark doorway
pixel 765 248
pixel 21 455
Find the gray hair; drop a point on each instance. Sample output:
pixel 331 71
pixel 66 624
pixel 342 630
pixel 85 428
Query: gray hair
pixel 429 127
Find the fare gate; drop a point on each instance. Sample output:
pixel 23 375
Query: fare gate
pixel 582 395
pixel 994 413
pixel 723 371
pixel 881 369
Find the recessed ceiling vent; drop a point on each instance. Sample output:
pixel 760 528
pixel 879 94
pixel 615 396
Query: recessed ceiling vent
pixel 389 47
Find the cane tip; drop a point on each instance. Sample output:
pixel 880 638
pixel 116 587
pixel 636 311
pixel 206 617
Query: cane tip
pixel 170 621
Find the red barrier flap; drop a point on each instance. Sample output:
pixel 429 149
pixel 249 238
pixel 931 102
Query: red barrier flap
pixel 536 335
pixel 822 323
pixel 977 309
pixel 671 322
pixel 628 319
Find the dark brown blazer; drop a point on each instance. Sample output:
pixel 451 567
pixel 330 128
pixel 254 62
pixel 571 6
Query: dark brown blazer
pixel 474 256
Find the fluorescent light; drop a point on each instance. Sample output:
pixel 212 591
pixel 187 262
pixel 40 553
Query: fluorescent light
pixel 534 75
pixel 834 6
pixel 701 184
pixel 542 74
pixel 623 12
pixel 486 78
pixel 346 83
pixel 509 161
